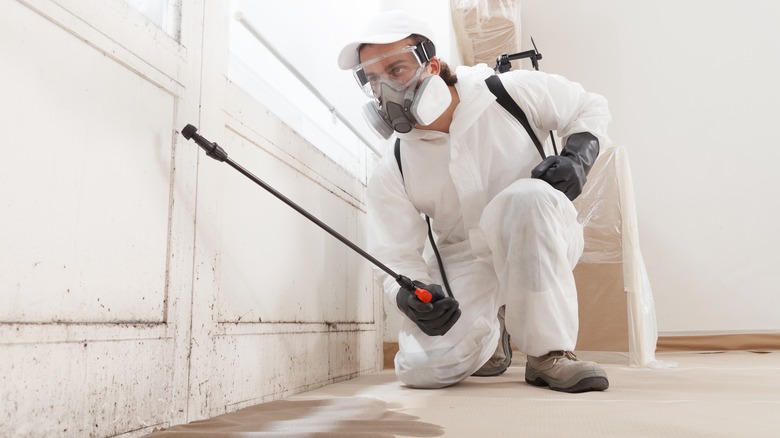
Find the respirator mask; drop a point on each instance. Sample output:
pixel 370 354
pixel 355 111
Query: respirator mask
pixel 398 102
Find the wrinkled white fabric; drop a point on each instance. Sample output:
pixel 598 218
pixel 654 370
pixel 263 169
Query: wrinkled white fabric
pixel 535 242
pixel 515 255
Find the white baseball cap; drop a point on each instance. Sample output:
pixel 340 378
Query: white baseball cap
pixel 387 27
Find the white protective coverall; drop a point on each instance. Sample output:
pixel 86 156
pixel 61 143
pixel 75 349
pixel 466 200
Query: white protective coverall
pixel 504 238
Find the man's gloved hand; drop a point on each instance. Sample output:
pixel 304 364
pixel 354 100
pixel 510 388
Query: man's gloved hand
pixel 434 318
pixel 567 171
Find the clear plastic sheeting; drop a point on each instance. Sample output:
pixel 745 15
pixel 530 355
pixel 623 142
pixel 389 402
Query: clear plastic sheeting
pixel 486 29
pixel 607 211
pixel 599 212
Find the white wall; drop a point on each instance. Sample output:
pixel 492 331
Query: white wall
pixel 694 93
pixel 142 283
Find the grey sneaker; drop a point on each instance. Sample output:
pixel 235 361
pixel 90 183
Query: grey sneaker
pixel 502 357
pixel 562 371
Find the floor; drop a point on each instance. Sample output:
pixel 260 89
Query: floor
pixel 688 394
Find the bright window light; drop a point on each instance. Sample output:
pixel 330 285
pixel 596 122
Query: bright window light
pixel 164 13
pixel 302 33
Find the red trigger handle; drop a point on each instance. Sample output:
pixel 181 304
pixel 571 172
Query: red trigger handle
pixel 423 295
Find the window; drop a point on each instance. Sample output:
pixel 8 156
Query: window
pixel 164 13
pixel 308 35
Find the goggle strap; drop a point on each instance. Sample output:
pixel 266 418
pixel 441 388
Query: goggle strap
pixel 425 51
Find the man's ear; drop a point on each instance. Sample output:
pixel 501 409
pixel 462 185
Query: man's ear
pixel 434 66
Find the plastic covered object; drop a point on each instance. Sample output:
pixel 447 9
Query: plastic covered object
pixel 607 211
pixel 599 212
pixel 485 29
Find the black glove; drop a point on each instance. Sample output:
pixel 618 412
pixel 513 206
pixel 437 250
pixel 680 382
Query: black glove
pixel 567 172
pixel 434 318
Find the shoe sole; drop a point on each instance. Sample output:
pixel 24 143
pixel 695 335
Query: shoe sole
pixel 500 369
pixel 596 381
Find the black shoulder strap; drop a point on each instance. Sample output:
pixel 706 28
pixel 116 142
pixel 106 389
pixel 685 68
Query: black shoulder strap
pixel 506 101
pixel 398 156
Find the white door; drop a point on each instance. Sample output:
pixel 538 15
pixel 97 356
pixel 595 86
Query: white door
pixel 96 214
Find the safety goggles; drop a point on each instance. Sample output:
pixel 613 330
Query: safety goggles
pixel 398 68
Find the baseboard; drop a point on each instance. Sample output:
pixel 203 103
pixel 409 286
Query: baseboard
pixel 742 341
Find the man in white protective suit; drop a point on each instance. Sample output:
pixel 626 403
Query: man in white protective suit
pixel 505 225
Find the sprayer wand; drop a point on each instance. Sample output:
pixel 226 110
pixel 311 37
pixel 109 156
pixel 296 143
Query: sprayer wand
pixel 216 152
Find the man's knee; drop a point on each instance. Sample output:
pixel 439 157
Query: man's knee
pixel 424 376
pixel 445 367
pixel 524 202
pixel 527 194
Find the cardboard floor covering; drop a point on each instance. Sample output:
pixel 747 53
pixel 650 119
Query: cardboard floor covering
pixel 693 394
